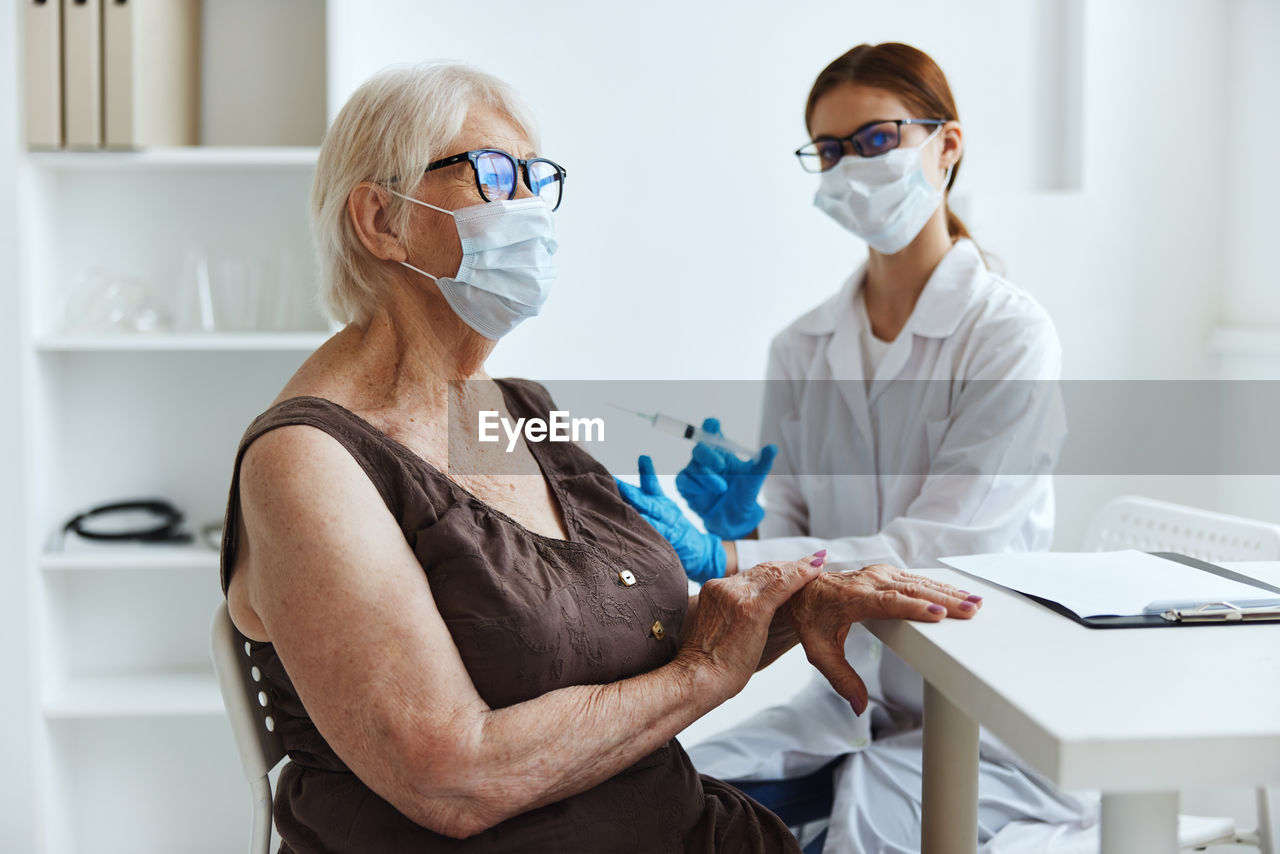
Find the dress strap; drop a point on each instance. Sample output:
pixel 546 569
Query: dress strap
pixel 367 446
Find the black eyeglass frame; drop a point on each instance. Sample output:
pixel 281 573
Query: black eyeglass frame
pixel 523 167
pixel 801 154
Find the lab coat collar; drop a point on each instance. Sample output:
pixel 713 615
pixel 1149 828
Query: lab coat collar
pixel 948 292
pixel 844 360
pixel 937 313
pixel 844 354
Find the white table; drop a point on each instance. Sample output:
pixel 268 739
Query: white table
pixel 1135 713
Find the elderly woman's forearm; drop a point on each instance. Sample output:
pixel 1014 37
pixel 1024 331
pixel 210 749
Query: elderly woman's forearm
pixel 475 767
pixel 509 761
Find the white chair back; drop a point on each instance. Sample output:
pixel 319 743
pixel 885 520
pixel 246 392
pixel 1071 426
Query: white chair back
pixel 249 710
pixel 1133 522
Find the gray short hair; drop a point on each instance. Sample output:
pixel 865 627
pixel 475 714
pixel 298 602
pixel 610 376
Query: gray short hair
pixel 396 123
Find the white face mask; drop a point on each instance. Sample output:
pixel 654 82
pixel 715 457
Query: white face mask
pixel 886 200
pixel 506 271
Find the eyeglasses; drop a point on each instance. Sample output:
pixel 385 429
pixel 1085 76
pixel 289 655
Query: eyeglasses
pixel 870 140
pixel 495 173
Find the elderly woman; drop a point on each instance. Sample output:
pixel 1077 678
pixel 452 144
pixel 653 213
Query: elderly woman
pixel 471 650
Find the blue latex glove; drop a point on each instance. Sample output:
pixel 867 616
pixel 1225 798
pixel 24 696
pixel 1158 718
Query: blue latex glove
pixel 701 554
pixel 722 489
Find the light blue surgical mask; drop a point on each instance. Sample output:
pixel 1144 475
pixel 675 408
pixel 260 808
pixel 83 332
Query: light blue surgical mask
pixel 507 269
pixel 886 200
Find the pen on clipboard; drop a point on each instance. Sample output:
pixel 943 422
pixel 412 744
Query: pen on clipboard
pixel 1241 610
pixel 1192 604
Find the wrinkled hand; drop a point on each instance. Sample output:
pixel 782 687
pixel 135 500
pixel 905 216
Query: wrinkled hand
pixel 702 555
pixel 823 611
pixel 724 640
pixel 723 489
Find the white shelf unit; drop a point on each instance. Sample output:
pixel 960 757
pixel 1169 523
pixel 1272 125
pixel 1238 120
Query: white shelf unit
pixel 121 636
pixel 213 159
pixel 192 558
pixel 212 342
pixel 129 748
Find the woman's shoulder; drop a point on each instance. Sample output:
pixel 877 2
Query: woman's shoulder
pixel 291 440
pixel 993 297
pixel 292 449
pixel 316 431
pixel 304 410
pixel 1004 302
pixel 1006 331
pixel 1008 315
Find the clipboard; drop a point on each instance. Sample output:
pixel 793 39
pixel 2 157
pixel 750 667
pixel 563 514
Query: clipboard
pixel 1206 614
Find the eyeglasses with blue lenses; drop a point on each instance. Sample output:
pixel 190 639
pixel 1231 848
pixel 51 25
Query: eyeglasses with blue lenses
pixel 496 170
pixel 870 140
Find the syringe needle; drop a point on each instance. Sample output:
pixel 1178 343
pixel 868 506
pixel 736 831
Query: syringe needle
pixel 650 418
pixel 685 430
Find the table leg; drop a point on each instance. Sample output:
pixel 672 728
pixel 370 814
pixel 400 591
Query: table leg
pixel 950 822
pixel 1140 823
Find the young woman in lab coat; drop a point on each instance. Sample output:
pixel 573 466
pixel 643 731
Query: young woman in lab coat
pixel 912 420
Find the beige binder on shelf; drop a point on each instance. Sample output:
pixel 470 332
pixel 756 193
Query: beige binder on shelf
pixel 151 71
pixel 82 72
pixel 42 76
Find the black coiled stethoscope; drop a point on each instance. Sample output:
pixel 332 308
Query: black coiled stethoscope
pixel 167 526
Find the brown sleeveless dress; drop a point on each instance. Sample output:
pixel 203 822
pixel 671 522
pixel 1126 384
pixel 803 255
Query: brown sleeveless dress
pixel 529 614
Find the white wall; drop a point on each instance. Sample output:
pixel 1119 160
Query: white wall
pixel 1252 297
pixel 1250 129
pixel 688 234
pixel 1130 266
pixel 17 803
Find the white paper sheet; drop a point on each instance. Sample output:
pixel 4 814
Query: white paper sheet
pixel 1095 584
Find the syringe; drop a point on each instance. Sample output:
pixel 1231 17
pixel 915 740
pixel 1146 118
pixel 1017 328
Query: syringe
pixel 685 430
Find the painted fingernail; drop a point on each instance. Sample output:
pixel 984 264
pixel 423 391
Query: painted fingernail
pixel 858 705
pixel 822 553
pixel 975 598
pixel 937 609
pixel 818 561
pixel 963 593
pixel 966 606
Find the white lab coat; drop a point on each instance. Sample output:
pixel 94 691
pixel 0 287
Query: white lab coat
pixel 904 472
